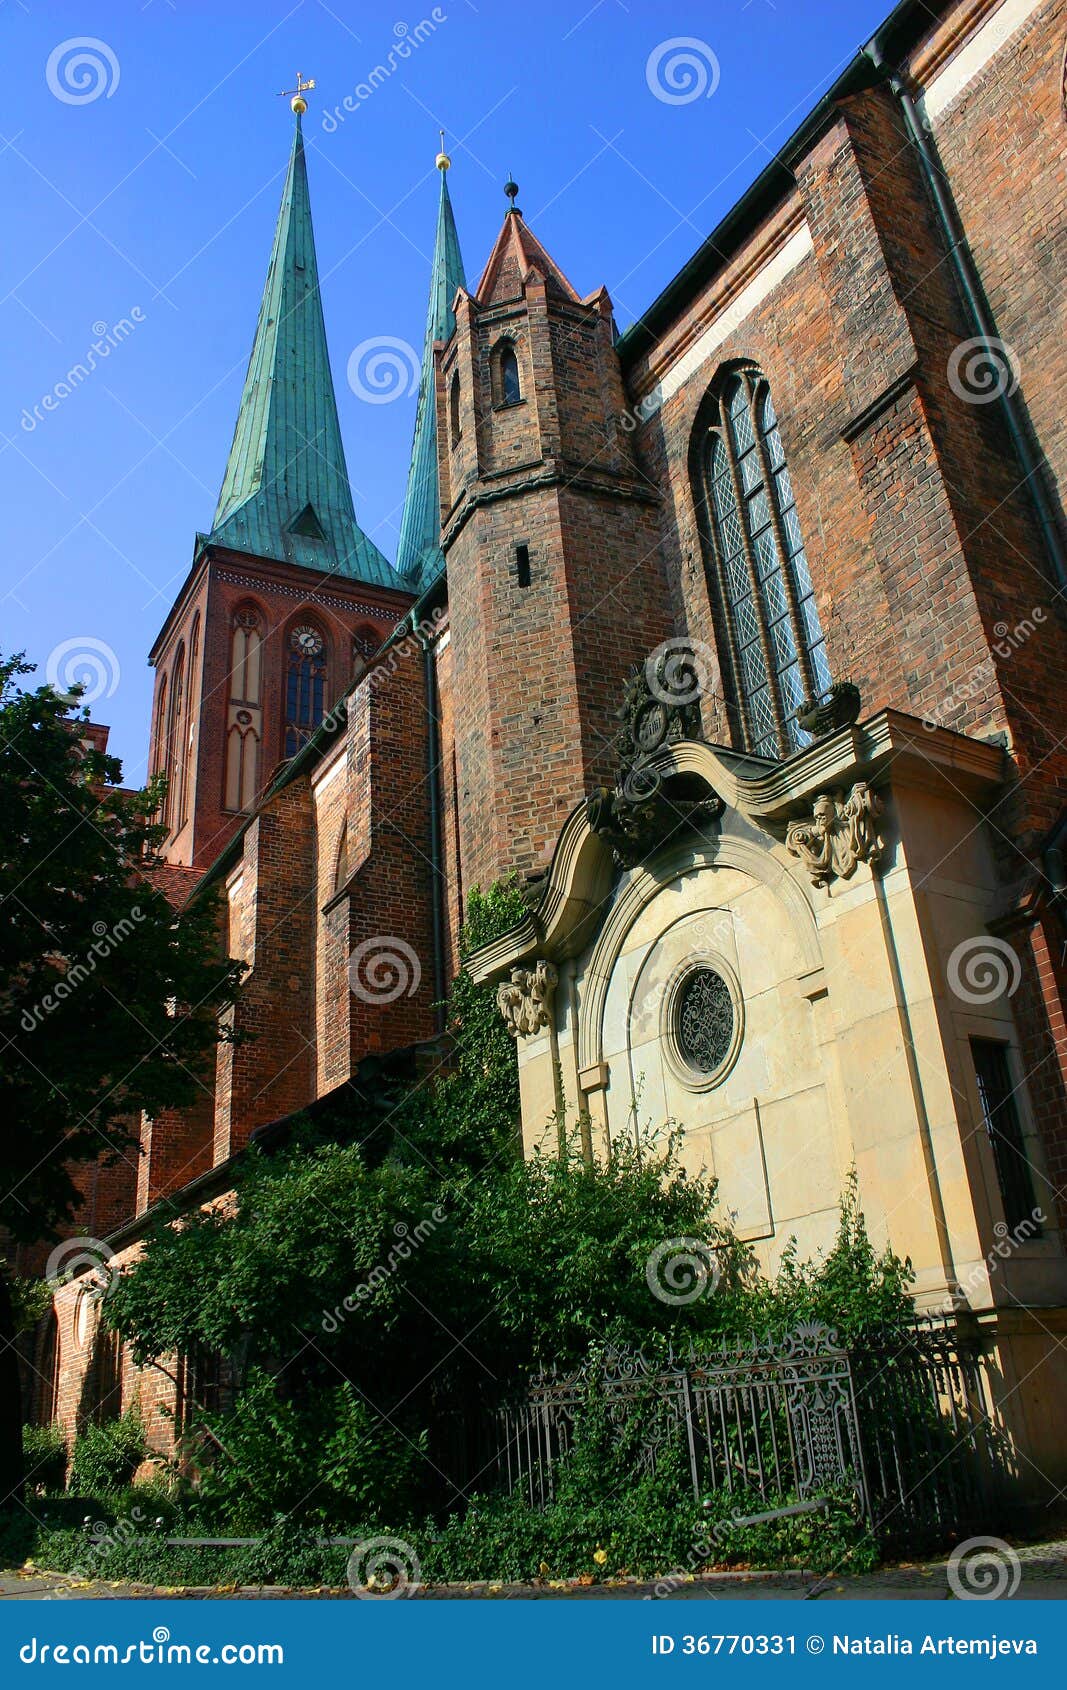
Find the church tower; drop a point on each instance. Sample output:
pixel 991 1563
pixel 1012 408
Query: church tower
pixel 286 593
pixel 550 532
pixel 419 556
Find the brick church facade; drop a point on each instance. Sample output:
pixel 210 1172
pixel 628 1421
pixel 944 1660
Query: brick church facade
pixel 803 522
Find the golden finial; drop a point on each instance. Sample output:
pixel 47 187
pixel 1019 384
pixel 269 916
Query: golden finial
pixel 442 160
pixel 297 103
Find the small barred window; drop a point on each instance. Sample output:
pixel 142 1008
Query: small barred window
pixel 704 1012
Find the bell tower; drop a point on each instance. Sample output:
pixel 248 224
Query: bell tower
pixel 286 593
pixel 550 533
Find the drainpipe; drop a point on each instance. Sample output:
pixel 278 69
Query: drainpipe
pixel 971 288
pixel 433 757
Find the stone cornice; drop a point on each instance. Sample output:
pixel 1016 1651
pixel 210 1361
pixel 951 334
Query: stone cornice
pixel 890 749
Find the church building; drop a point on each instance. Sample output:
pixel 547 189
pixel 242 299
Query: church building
pixel 738 639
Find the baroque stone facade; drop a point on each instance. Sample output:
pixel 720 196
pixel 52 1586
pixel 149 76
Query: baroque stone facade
pixel 817 930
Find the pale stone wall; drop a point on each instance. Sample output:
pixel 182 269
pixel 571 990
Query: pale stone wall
pixel 858 1001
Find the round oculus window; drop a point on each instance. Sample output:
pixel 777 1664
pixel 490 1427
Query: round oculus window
pixel 705 1021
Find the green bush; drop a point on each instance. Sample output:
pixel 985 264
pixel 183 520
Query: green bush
pixel 330 1459
pixel 44 1452
pixel 106 1456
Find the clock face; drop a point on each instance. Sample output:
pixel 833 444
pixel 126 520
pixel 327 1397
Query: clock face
pixel 307 640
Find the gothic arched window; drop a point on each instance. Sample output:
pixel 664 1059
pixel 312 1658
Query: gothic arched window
pixel 173 760
pixel 507 389
pixel 185 754
pixel 159 747
pixel 305 685
pixel 244 725
pixel 776 645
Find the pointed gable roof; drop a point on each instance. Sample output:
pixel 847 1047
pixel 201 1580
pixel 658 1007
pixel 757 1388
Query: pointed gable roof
pixel 286 492
pixel 419 555
pixel 518 251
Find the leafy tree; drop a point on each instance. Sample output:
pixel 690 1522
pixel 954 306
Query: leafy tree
pixel 405 1291
pixel 110 1001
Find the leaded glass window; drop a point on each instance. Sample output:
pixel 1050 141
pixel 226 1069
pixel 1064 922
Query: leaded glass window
pixel 777 649
pixel 305 690
pixel 704 1011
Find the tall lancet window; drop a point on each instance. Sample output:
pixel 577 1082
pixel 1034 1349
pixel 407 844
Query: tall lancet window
pixel 776 646
pixel 186 770
pixel 305 688
pixel 244 727
pixel 173 759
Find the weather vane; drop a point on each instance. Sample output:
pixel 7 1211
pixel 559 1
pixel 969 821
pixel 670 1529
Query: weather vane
pixel 442 161
pixel 296 95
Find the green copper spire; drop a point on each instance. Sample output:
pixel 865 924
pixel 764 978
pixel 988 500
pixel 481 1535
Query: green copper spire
pixel 419 556
pixel 286 493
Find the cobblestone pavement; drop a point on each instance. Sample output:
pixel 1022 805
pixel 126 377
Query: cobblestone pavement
pixel 1043 1578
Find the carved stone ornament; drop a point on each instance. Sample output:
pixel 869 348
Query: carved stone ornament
pixel 641 811
pixel 840 834
pixel 839 709
pixel 525 1001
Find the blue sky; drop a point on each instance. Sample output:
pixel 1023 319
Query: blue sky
pixel 154 201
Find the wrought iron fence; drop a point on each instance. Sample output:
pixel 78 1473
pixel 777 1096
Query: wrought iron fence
pixel 907 1431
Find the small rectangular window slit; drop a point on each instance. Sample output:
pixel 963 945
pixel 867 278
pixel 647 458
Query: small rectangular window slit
pixel 522 565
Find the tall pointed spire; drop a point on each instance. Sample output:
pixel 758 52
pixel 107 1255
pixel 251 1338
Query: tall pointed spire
pixel 286 492
pixel 419 555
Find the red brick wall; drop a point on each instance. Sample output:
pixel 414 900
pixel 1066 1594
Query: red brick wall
pixel 272 1073
pixel 539 669
pixel 284 594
